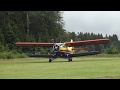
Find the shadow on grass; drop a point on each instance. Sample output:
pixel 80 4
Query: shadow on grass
pixel 58 61
pixel 91 59
pixel 47 61
pixel 64 60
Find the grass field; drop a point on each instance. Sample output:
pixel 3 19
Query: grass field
pixel 79 68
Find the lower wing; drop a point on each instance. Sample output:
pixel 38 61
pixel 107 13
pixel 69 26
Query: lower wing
pixel 65 56
pixel 84 54
pixel 41 55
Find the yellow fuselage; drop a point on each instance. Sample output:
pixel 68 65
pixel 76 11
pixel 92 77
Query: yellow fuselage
pixel 66 49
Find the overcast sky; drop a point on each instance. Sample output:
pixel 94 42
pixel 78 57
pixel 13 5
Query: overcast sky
pixel 105 22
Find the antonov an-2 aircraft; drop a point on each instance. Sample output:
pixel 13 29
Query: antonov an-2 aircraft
pixel 64 50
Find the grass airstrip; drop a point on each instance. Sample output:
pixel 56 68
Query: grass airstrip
pixel 79 68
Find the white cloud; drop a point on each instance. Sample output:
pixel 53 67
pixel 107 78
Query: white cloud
pixel 105 22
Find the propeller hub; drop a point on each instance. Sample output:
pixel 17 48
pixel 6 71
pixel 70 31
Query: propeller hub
pixel 56 47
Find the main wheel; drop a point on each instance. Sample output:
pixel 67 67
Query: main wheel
pixel 69 59
pixel 50 60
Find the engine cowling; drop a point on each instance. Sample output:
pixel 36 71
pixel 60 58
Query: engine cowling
pixel 56 47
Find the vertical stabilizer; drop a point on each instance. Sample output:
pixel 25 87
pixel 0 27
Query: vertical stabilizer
pixel 71 40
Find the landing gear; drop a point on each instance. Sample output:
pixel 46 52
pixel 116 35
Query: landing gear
pixel 50 60
pixel 69 59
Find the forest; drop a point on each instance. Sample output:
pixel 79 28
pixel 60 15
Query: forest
pixel 43 26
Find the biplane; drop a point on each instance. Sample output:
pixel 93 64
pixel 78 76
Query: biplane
pixel 64 50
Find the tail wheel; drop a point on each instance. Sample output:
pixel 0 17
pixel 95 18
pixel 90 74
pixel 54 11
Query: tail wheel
pixel 50 60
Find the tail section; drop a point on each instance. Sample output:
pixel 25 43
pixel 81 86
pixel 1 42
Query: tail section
pixel 71 48
pixel 71 40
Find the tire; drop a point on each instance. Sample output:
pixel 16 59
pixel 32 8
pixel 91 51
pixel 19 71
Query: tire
pixel 50 60
pixel 69 59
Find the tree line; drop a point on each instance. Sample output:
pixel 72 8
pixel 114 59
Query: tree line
pixel 44 26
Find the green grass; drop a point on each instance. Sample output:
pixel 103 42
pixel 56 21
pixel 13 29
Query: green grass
pixel 79 68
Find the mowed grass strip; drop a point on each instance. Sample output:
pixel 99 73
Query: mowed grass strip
pixel 79 68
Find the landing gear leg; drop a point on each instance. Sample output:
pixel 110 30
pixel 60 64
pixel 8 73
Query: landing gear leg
pixel 50 60
pixel 69 59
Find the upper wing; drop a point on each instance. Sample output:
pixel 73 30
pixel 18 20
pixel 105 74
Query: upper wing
pixel 87 42
pixel 42 44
